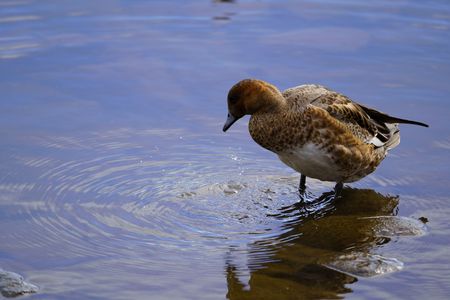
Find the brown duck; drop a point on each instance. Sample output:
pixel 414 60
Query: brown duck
pixel 316 131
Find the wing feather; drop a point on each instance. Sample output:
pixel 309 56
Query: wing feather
pixel 356 118
pixel 370 125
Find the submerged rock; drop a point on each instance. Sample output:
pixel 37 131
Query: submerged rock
pixel 393 226
pixel 12 285
pixel 365 264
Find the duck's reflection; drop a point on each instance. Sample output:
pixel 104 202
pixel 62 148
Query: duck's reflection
pixel 326 245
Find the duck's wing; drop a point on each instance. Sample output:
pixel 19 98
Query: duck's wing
pixel 355 118
pixel 368 124
pixel 341 108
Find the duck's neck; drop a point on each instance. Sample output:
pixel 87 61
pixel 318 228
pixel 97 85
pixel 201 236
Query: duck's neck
pixel 271 100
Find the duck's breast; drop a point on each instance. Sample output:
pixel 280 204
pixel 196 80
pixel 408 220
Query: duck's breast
pixel 312 161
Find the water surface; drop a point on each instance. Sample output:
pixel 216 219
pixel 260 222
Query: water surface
pixel 117 182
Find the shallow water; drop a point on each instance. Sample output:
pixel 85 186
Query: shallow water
pixel 117 182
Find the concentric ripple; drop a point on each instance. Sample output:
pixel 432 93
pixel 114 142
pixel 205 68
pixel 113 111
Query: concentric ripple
pixel 104 193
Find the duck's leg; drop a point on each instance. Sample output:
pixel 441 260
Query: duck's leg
pixel 302 185
pixel 338 189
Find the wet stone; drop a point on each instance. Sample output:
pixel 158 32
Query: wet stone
pixel 365 264
pixel 13 285
pixel 391 226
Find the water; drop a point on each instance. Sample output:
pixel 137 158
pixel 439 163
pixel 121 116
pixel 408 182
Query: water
pixel 117 182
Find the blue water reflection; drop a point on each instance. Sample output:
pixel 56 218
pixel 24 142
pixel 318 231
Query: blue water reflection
pixel 116 180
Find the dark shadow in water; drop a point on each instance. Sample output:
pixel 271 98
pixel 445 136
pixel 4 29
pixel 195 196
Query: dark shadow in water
pixel 226 16
pixel 327 244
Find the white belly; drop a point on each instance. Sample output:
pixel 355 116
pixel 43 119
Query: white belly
pixel 312 162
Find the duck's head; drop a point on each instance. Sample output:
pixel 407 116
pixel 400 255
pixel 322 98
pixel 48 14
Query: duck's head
pixel 249 96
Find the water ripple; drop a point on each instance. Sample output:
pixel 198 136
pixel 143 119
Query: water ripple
pixel 143 195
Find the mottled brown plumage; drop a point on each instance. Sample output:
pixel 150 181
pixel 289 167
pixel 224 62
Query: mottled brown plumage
pixel 316 131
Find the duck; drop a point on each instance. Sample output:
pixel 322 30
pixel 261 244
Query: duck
pixel 316 131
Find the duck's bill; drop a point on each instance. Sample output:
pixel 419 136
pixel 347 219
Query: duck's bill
pixel 230 121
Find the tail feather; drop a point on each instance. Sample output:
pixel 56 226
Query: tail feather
pixel 384 118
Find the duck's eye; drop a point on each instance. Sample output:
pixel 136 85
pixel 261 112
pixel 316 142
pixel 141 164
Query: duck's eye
pixel 233 100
